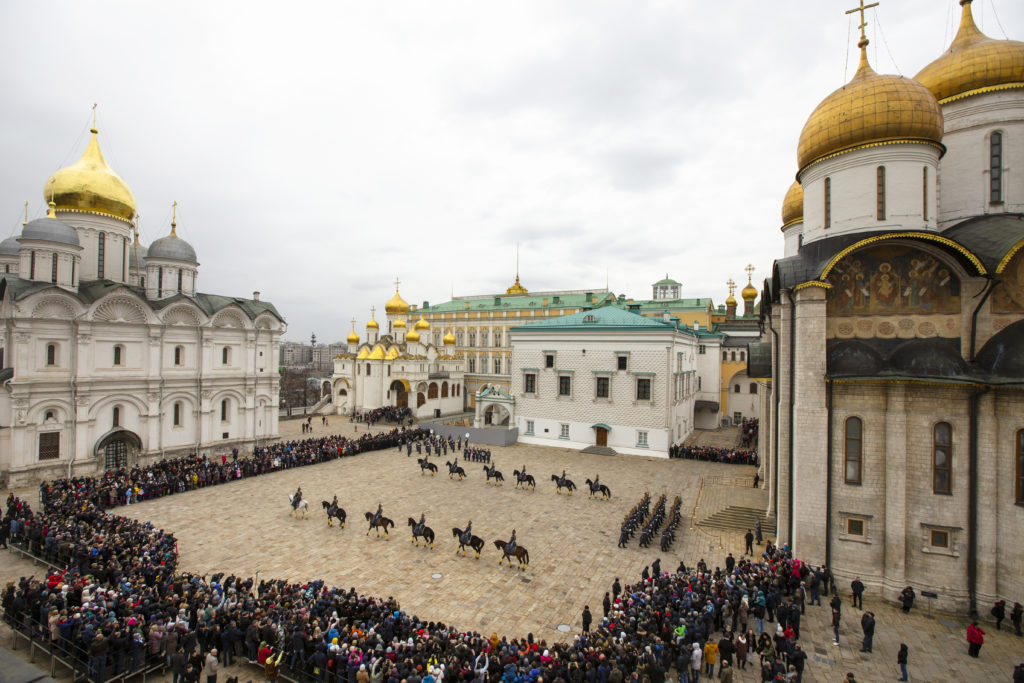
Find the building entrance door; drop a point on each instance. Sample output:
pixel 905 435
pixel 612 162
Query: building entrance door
pixel 602 436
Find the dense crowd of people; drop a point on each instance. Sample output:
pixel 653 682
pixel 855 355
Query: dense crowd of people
pixel 731 456
pixel 384 414
pixel 748 432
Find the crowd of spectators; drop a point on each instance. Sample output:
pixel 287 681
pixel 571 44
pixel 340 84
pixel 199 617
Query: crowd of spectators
pixel 121 603
pixel 748 433
pixel 384 414
pixel 732 456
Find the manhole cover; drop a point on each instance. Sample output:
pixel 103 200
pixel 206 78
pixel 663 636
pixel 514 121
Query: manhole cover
pixel 564 628
pixel 436 576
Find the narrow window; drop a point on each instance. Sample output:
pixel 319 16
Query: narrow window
pixel 828 202
pixel 118 352
pixel 996 168
pixel 602 387
pixel 53 270
pixel 743 356
pixel 732 356
pixel 177 414
pixel 1020 465
pixel 225 356
pixel 880 192
pixel 924 193
pixel 179 352
pixel 51 354
pixel 529 426
pixel 753 388
pixel 942 458
pixel 116 422
pixel 643 389
pixel 565 385
pixel 472 364
pixel 497 366
pixel 101 253
pixel 224 410
pixel 32 265
pixel 159 281
pixel 564 431
pixel 725 356
pixel 530 381
pixel 49 446
pixel 549 361
pixel 641 438
pixel 736 389
pixel 622 362
pixel 853 451
pixel 179 280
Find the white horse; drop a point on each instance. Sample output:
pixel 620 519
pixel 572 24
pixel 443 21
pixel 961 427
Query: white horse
pixel 302 509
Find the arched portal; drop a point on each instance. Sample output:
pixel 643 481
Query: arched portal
pixel 118 449
pixel 497 415
pixel 325 390
pixel 401 393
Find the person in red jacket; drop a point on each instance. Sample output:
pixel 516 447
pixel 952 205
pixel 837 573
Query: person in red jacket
pixel 975 639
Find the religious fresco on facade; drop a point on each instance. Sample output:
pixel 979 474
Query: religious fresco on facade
pixel 893 291
pixel 1008 297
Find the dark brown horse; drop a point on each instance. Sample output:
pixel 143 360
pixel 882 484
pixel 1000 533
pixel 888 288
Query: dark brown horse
pixel 427 466
pixel 475 542
pixel 563 482
pixel 384 523
pixel 334 511
pixel 493 472
pixel 427 533
pixel 522 555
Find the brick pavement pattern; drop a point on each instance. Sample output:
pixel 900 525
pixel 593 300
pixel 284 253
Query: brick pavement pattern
pixel 245 526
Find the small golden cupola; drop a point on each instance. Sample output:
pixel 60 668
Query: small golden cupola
pixel 871 109
pixel 397 305
pixel 413 336
pixel 352 337
pixel 974 63
pixel 793 205
pixel 373 324
pixel 422 324
pixel 90 186
pixel 449 339
pixel 399 324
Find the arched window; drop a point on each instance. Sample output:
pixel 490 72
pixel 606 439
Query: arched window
pixel 160 281
pixel 1020 467
pixel 118 354
pixel 225 356
pixel 179 355
pixel 224 410
pixel 483 337
pixel 101 254
pixel 432 390
pixel 828 202
pixel 367 369
pixel 725 356
pixel 732 355
pixel 177 414
pixel 116 421
pixel 743 356
pixel 458 338
pixel 880 193
pixel 179 280
pixel 853 453
pixel 753 387
pixel 996 168
pixel 924 193
pixel 942 458
pixel 736 389
pixel 32 265
pixel 49 416
pixel 51 354
pixel 472 337
pixel 444 389
pixel 53 270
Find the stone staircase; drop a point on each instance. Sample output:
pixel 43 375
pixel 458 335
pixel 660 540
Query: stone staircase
pixel 740 518
pixel 599 450
pixel 723 437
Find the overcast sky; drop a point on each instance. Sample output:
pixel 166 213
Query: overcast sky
pixel 319 150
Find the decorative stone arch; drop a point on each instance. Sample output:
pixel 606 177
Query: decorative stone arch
pixel 494 408
pixel 266 321
pixel 400 392
pixel 54 307
pixel 117 448
pixel 124 399
pixel 120 309
pixel 184 315
pixel 61 411
pixel 231 317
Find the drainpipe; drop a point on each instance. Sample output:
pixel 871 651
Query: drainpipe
pixel 972 504
pixel 198 421
pixel 792 401
pixel 775 428
pixel 992 282
pixel 74 394
pixel 828 476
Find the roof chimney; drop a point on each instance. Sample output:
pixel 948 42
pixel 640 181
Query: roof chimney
pixel 255 296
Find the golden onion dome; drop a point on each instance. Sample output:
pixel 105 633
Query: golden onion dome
pixel 422 324
pixel 793 205
pixel 352 337
pixel 396 305
pixel 731 301
pixel 399 324
pixel 449 339
pixel 974 63
pixel 90 185
pixel 871 108
pixel 749 293
pixel 413 336
pixel 373 324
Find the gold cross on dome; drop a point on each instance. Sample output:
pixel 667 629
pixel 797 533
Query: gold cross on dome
pixel 750 272
pixel 863 23
pixel 372 311
pixel 397 282
pixel 353 324
pixel 732 286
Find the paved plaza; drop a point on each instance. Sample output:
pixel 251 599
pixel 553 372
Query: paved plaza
pixel 245 527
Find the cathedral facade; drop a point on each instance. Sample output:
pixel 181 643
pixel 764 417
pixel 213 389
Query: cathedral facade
pixel 892 366
pixel 109 355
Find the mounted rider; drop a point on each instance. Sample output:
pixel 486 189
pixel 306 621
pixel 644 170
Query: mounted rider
pixel 417 529
pixel 297 498
pixel 510 547
pixel 334 505
pixel 377 515
pixel 467 535
pixel 522 473
pixel 561 480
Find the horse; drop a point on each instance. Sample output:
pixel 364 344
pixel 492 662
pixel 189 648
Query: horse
pixel 426 465
pixel 523 479
pixel 475 542
pixel 300 510
pixel 492 472
pixel 383 523
pixel 427 534
pixel 454 468
pixel 334 511
pixel 605 492
pixel 522 555
pixel 561 481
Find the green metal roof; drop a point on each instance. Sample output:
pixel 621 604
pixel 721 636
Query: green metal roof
pixel 599 319
pixel 518 301
pixel 667 281
pixel 670 304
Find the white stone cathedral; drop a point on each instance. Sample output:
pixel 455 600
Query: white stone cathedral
pixel 109 356
pixel 894 422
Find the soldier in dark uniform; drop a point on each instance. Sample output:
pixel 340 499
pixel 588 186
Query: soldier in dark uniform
pixel 510 547
pixel 467 535
pixel 377 515
pixel 297 498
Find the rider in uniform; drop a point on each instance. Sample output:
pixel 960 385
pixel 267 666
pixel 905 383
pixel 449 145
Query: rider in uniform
pixel 561 481
pixel 418 527
pixel 334 504
pixel 377 515
pixel 467 535
pixel 297 498
pixel 510 547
